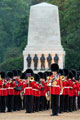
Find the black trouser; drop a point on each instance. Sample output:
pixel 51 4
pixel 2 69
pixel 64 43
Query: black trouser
pixel 3 104
pixel 70 103
pixel 66 103
pixel 33 103
pixel 74 103
pixel 78 102
pixel 28 103
pixel 23 103
pixel 37 104
pixel 0 103
pixel 14 103
pixel 10 100
pixel 61 103
pixel 41 103
pixel 54 104
pixel 45 103
pixel 17 102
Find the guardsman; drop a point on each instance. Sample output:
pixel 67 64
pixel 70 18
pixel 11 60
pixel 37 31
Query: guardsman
pixel 55 88
pixel 23 78
pixel 70 84
pixel 28 92
pixel 62 95
pixel 17 90
pixel 19 104
pixel 10 91
pixel 75 89
pixel 48 97
pixel 66 90
pixel 3 94
pixel 42 94
pixel 36 94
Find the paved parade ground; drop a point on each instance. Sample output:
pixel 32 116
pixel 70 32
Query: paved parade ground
pixel 44 115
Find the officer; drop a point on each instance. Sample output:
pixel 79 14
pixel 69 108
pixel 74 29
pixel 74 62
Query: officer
pixel 55 87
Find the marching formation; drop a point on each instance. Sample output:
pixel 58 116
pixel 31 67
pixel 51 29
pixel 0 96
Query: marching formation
pixel 58 89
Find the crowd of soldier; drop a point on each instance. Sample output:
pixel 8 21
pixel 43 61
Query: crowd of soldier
pixel 28 90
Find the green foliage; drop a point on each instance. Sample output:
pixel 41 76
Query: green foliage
pixel 12 63
pixel 14 16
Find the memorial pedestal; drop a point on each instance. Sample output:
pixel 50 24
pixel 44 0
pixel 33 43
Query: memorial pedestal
pixel 44 35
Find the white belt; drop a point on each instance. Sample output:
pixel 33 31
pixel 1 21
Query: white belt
pixel 55 86
pixel 10 88
pixel 3 88
pixel 35 89
pixel 68 87
pixel 28 88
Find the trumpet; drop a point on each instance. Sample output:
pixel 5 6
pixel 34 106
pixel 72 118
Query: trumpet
pixel 31 78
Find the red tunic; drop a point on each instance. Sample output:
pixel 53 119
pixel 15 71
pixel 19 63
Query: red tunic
pixel 19 84
pixel 10 89
pixel 70 85
pixel 55 89
pixel 3 88
pixel 65 87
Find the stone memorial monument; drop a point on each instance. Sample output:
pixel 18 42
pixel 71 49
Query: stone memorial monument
pixel 44 35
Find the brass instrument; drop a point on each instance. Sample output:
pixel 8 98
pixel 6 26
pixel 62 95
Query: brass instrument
pixel 31 78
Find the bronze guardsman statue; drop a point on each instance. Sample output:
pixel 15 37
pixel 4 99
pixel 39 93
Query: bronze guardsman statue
pixel 28 59
pixel 42 59
pixel 35 60
pixel 49 60
pixel 56 59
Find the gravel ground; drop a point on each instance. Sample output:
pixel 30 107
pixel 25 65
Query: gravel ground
pixel 44 115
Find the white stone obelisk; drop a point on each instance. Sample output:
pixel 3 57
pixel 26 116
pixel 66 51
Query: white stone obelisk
pixel 44 34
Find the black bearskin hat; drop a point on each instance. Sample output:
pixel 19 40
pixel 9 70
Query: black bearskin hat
pixel 60 72
pixel 23 76
pixel 3 75
pixel 29 72
pixel 36 77
pixel 41 75
pixel 50 73
pixel 54 67
pixel 70 75
pixel 47 73
pixel 10 74
pixel 74 73
pixel 65 71
pixel 15 73
pixel 19 72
